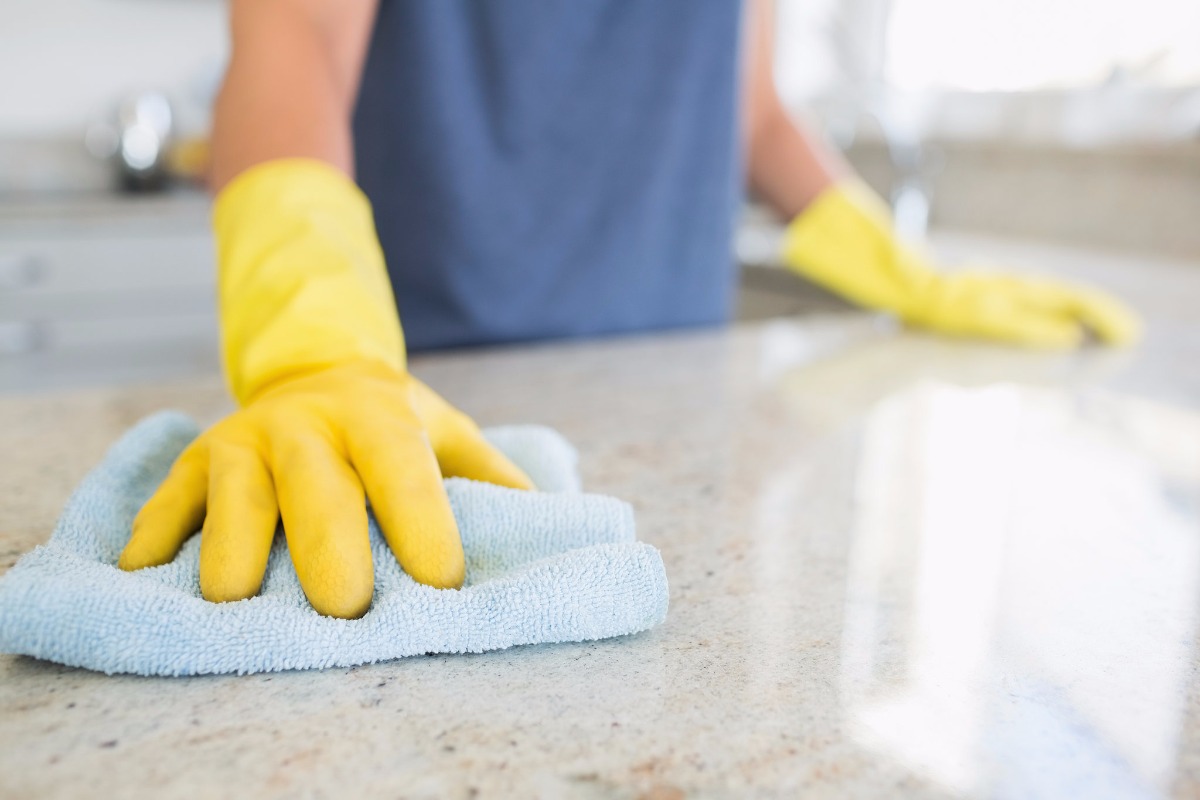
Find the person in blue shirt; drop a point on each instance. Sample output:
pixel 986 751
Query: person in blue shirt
pixel 491 172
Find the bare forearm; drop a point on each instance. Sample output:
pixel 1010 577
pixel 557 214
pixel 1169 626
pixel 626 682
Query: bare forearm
pixel 291 84
pixel 787 165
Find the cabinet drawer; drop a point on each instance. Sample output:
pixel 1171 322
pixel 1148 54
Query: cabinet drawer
pixel 111 319
pixel 127 304
pixel 46 266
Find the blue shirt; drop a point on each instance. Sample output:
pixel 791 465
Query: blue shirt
pixel 552 168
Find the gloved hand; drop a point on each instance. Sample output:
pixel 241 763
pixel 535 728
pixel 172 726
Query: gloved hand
pixel 844 242
pixel 314 354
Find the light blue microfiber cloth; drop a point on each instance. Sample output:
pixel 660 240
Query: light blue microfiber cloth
pixel 548 566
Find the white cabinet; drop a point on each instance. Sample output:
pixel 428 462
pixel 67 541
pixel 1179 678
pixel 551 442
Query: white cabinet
pixel 106 290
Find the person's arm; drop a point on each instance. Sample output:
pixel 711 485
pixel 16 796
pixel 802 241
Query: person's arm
pixel 291 83
pixel 313 349
pixel 841 236
pixel 787 166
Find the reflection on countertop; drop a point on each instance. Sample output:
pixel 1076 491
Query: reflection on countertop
pixel 1022 589
pixel 899 566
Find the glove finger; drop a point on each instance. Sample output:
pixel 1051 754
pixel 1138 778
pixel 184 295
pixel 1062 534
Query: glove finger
pixel 1108 318
pixel 461 449
pixel 465 453
pixel 239 526
pixel 1030 328
pixel 325 520
pixel 172 514
pixel 401 476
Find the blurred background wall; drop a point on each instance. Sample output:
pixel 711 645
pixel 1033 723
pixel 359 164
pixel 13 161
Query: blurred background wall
pixel 65 65
pixel 1073 120
pixel 1068 120
pixel 63 60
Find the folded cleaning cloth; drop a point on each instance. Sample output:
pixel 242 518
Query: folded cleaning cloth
pixel 548 566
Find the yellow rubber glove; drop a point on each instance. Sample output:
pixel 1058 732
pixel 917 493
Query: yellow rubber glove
pixel 314 355
pixel 844 242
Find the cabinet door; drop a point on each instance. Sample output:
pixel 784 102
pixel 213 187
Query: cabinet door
pixel 97 305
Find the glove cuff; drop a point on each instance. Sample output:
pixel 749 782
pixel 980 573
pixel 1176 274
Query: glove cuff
pixel 301 278
pixel 844 242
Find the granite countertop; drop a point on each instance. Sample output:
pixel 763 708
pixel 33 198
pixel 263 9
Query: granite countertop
pixel 899 566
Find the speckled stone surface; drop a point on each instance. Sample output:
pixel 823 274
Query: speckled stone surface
pixel 882 585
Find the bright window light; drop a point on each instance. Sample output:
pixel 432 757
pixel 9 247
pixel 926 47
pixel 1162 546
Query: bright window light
pixel 1029 45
